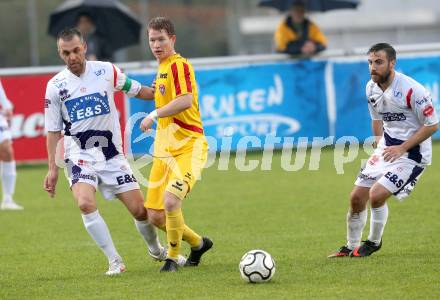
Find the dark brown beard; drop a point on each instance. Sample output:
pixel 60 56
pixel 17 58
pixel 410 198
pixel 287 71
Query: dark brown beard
pixel 384 78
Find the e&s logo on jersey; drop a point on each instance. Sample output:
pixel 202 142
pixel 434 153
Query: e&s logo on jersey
pixel 88 106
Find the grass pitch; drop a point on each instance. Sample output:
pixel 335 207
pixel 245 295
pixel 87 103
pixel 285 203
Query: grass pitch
pixel 298 217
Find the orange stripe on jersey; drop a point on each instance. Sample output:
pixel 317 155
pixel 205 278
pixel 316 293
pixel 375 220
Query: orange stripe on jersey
pixel 187 78
pixel 115 74
pixel 187 126
pixel 176 79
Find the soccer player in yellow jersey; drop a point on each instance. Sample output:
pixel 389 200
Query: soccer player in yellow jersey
pixel 180 147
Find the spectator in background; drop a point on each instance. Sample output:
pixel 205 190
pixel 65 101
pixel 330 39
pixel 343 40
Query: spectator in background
pixel 297 35
pixel 7 163
pixel 96 48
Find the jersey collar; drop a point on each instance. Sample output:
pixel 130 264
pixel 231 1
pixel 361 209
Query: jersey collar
pixel 170 59
pixel 378 94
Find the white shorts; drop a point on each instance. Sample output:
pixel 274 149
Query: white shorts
pixel 399 177
pixel 111 177
pixel 5 131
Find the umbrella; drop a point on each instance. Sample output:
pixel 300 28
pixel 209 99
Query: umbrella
pixel 311 5
pixel 114 22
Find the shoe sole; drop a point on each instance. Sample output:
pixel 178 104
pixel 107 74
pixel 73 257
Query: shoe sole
pixel 7 208
pixel 116 274
pixel 338 255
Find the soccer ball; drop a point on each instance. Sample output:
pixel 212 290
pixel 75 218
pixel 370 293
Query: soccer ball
pixel 257 266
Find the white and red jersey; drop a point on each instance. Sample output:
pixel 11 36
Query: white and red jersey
pixel 5 133
pixel 4 101
pixel 404 107
pixel 85 109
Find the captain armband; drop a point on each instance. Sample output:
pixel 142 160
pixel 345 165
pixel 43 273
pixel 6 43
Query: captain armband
pixel 129 86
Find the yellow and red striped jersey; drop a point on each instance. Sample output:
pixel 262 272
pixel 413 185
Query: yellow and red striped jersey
pixel 176 134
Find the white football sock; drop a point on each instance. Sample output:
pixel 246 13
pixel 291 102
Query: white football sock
pixel 355 225
pixel 379 217
pixel 8 175
pixel 98 230
pixel 149 234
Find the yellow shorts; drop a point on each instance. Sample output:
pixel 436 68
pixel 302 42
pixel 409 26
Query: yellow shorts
pixel 177 174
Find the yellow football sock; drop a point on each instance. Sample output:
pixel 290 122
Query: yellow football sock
pixel 175 226
pixel 192 238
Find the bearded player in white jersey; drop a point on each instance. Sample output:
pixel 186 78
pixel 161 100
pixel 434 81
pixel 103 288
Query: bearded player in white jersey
pixel 403 121
pixel 79 101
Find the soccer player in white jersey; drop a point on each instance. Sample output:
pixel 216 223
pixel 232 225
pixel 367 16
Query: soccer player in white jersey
pixel 7 162
pixel 403 121
pixel 79 101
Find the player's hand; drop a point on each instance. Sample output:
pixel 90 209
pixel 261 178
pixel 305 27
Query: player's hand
pixel 153 85
pixel 392 153
pixel 146 123
pixel 50 182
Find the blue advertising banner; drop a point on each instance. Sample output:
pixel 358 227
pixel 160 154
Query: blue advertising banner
pixel 242 106
pixel 138 109
pixel 350 78
pixel 352 116
pixel 281 100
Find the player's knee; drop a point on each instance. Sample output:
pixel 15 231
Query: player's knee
pixel 172 202
pixel 86 204
pixel 87 208
pixel 357 202
pixel 6 151
pixel 378 197
pixel 139 213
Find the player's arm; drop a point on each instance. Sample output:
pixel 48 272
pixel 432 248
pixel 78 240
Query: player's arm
pixel 177 105
pixel 394 152
pixel 376 122
pixel 52 140
pixel 6 105
pixel 182 85
pixel 377 126
pixel 51 179
pixel 53 123
pixel 422 134
pixel 131 87
pixel 146 93
pixel 421 105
